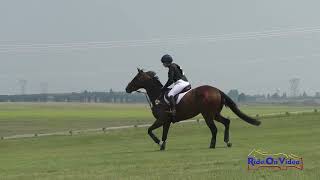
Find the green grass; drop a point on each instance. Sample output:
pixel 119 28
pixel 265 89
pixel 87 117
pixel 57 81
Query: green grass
pixel 131 154
pixel 25 118
pixel 30 118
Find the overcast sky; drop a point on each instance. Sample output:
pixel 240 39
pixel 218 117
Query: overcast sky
pixel 75 45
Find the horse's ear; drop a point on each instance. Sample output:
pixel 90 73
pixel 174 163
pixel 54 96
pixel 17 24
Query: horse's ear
pixel 139 70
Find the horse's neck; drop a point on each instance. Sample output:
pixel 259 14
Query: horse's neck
pixel 153 93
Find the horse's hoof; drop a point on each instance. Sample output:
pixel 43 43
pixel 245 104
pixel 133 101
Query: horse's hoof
pixel 212 147
pixel 162 146
pixel 229 145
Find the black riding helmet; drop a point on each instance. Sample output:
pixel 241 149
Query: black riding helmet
pixel 167 59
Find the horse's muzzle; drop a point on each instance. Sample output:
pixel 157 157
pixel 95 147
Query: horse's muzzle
pixel 128 90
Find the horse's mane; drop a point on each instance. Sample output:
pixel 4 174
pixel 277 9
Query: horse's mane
pixel 154 77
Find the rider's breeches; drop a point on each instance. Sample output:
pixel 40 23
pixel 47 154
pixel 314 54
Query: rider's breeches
pixel 178 87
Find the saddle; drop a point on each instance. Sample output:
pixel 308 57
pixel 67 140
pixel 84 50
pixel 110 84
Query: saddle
pixel 176 97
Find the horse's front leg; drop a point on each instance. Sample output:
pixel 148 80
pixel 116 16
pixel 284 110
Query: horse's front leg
pixel 154 126
pixel 166 127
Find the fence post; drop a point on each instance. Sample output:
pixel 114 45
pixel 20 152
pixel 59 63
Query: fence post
pixel 71 132
pixel 35 135
pixel 315 110
pixel 2 138
pixel 104 130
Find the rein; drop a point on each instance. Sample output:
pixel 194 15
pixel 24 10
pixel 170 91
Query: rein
pixel 147 97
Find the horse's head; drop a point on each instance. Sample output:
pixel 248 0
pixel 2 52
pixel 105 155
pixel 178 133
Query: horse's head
pixel 140 81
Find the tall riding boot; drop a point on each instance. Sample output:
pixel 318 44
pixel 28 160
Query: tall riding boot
pixel 173 108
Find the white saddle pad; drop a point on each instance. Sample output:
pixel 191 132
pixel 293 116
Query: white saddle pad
pixel 180 96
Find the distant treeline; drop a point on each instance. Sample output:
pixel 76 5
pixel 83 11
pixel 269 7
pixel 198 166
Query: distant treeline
pixel 277 98
pixel 122 97
pixel 86 96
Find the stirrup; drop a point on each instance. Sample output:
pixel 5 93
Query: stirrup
pixel 173 112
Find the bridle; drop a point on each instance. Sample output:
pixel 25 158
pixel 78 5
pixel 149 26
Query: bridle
pixel 148 99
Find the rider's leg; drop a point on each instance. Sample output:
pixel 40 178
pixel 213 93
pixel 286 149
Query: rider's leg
pixel 176 89
pixel 172 105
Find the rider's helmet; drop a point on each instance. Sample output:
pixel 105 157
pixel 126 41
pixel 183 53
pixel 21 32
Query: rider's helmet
pixel 167 59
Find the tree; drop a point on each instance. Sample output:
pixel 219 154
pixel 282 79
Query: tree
pixel 233 94
pixel 304 94
pixel 268 96
pixel 112 96
pixel 242 98
pixel 275 96
pixel 284 96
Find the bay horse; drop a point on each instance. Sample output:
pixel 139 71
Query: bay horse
pixel 205 100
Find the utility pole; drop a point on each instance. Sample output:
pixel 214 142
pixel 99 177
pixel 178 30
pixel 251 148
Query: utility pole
pixel 23 84
pixel 294 87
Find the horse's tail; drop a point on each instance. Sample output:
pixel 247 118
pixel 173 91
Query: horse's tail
pixel 232 105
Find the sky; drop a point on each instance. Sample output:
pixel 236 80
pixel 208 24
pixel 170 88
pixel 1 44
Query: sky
pixel 76 45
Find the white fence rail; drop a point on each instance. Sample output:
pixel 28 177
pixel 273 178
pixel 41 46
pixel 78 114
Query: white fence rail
pixel 105 129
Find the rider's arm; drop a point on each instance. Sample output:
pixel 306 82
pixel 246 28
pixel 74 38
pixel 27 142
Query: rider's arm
pixel 170 78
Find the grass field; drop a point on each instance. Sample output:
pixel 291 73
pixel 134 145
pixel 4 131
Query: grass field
pixel 30 118
pixel 131 154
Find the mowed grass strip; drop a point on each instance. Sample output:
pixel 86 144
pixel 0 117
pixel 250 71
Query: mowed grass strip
pixel 31 118
pixel 28 118
pixel 131 154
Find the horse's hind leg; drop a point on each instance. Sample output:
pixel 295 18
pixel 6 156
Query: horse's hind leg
pixel 209 120
pixel 226 123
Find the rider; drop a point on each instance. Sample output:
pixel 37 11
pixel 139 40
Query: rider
pixel 176 77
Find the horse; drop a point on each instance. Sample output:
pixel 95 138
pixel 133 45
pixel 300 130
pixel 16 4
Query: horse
pixel 205 100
